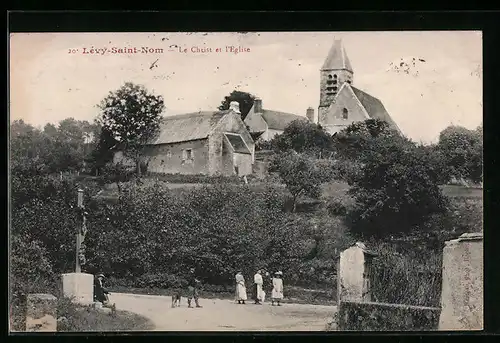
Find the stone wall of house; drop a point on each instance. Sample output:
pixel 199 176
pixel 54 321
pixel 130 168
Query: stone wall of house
pixel 462 286
pixel 218 164
pixel 171 158
pixel 255 122
pixel 370 316
pixel 244 163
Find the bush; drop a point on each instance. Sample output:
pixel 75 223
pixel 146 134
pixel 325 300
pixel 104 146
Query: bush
pixel 407 274
pixel 397 189
pixel 194 178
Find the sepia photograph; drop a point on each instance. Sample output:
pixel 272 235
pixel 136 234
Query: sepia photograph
pixel 246 181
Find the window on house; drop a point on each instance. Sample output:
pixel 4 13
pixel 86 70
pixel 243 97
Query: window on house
pixel 334 88
pixel 189 154
pixel 345 113
pixel 335 76
pixel 349 81
pixel 329 76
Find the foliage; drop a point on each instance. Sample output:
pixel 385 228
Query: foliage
pixel 462 150
pixel 194 178
pixel 353 142
pixel 303 137
pixel 408 273
pixel 76 318
pixel 397 189
pixel 55 149
pixel 133 116
pixel 244 99
pixel 103 152
pixel 301 174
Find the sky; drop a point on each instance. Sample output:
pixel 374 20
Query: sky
pixel 54 76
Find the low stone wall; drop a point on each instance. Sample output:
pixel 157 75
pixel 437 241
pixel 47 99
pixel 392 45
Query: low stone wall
pixel 370 316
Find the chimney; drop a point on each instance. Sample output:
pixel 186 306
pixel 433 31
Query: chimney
pixel 310 115
pixel 235 106
pixel 257 105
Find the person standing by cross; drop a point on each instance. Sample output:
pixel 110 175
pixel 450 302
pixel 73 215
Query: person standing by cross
pixel 193 285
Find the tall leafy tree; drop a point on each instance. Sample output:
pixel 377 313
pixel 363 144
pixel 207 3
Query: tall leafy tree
pixel 463 151
pixel 302 174
pixel 356 139
pixel 396 189
pixel 245 100
pixel 303 137
pixel 133 116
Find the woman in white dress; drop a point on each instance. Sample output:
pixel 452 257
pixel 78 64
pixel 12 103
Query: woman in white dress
pixel 277 293
pixel 241 291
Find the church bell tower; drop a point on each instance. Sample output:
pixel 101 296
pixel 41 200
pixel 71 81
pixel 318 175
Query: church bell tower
pixel 335 72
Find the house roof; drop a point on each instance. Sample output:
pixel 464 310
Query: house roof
pixel 374 107
pixel 279 120
pixel 237 143
pixel 188 127
pixel 337 58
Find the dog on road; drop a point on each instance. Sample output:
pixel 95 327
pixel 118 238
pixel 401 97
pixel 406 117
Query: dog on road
pixel 176 300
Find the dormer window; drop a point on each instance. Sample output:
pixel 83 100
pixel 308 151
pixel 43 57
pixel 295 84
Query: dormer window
pixel 345 113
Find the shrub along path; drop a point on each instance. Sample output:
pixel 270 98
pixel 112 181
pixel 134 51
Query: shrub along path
pixel 225 315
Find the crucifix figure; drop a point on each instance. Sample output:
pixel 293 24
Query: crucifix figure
pixel 80 234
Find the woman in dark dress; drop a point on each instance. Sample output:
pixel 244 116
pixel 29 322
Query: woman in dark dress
pixel 100 293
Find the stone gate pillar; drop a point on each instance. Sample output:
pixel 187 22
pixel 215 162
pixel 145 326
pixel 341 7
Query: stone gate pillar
pixel 354 274
pixel 462 286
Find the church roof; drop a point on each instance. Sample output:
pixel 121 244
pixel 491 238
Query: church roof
pixel 374 107
pixel 337 58
pixel 279 120
pixel 188 127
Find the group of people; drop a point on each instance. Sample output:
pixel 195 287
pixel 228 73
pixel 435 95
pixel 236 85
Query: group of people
pixel 260 285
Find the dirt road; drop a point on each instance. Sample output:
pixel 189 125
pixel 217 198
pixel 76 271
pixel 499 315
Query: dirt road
pixel 225 315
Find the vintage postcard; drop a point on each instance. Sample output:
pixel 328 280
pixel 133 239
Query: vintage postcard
pixel 260 181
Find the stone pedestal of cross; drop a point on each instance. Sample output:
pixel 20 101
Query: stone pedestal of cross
pixel 79 286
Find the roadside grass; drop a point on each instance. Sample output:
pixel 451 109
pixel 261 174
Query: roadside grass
pixel 76 318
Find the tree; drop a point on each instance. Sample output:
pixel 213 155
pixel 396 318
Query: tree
pixel 396 190
pixel 133 116
pixel 303 137
pixel 463 152
pixel 356 139
pixel 243 98
pixel 301 174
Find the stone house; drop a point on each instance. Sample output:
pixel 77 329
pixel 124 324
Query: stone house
pixel 265 124
pixel 210 143
pixel 341 103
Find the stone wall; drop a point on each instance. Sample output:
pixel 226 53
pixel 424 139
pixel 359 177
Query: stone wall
pixel 171 158
pixel 370 316
pixel 462 287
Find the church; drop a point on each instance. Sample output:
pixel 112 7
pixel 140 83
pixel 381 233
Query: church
pixel 340 102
